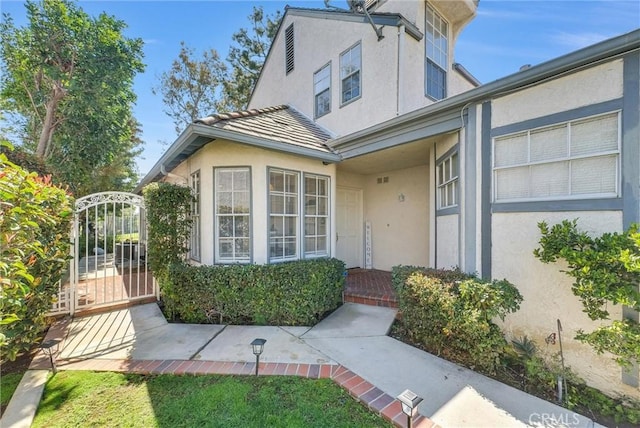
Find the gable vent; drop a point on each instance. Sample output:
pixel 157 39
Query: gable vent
pixel 288 41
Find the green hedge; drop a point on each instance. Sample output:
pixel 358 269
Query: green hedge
pixel 292 293
pixel 35 219
pixel 450 313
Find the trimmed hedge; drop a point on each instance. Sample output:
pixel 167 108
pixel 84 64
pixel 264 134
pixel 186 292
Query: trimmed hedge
pixel 292 293
pixel 449 313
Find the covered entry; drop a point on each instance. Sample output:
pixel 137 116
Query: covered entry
pixel 108 263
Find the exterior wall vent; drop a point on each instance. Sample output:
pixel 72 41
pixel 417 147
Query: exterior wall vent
pixel 289 52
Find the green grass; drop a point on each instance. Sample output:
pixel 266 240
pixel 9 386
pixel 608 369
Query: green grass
pixel 74 399
pixel 8 384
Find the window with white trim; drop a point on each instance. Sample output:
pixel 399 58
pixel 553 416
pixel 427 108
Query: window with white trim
pixel 233 215
pixel 322 90
pixel 447 170
pixel 283 214
pixel 572 160
pixel 316 215
pixel 437 54
pixel 350 64
pixel 194 240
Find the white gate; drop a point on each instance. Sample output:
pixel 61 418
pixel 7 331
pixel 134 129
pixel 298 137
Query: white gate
pixel 108 255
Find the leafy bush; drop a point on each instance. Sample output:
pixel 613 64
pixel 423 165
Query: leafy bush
pixel 35 219
pixel 540 377
pixel 450 313
pixel 168 208
pixel 605 269
pixel 292 293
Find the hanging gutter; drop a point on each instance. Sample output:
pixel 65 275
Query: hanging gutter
pixel 450 107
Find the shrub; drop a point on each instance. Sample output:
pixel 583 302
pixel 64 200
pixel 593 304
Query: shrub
pixel 604 269
pixel 292 293
pixel 35 219
pixel 450 313
pixel 168 208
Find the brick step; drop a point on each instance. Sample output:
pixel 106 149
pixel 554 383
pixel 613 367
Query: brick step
pixel 385 301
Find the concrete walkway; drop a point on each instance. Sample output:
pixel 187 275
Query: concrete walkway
pixel 350 346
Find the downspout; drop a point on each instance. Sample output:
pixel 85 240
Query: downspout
pixel 399 71
pixel 165 173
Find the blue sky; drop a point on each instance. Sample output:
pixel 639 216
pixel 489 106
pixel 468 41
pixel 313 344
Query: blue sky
pixel 504 36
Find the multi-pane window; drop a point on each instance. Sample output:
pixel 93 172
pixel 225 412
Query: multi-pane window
pixel 283 214
pixel 322 90
pixel 233 215
pixel 570 160
pixel 350 64
pixel 437 55
pixel 288 49
pixel 448 182
pixel 316 215
pixel 194 240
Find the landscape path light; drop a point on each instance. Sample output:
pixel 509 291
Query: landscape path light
pixel 50 347
pixel 258 347
pixel 410 403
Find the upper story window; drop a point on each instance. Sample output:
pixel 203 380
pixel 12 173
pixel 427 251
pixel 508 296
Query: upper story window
pixel 322 90
pixel 571 160
pixel 194 240
pixel 289 52
pixel 350 65
pixel 448 181
pixel 232 215
pixel 437 55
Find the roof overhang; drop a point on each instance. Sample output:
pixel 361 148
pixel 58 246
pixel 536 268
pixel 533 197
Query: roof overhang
pixel 446 115
pixel 385 19
pixel 197 135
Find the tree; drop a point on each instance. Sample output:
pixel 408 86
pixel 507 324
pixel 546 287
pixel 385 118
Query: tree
pixel 247 57
pixel 191 88
pixel 68 78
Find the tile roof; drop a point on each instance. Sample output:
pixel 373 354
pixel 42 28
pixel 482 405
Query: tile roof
pixel 282 124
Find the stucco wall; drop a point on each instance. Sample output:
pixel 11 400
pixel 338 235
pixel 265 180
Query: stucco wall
pixel 547 291
pixel 318 42
pixel 400 228
pixel 224 153
pixel 604 83
pixel 447 244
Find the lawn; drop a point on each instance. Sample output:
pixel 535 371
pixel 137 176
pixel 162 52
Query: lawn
pixel 113 399
pixel 8 384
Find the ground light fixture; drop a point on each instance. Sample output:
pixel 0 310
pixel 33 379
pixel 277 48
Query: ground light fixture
pixel 410 403
pixel 50 347
pixel 258 347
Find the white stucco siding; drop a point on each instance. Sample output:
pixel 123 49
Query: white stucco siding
pixel 447 245
pixel 318 42
pixel 349 179
pixel 584 88
pixel 227 154
pixel 399 214
pixel 445 143
pixel 412 10
pixel 547 291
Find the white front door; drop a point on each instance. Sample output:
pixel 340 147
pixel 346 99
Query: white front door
pixel 349 226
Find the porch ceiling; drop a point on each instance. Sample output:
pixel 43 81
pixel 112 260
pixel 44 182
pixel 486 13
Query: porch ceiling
pixel 398 157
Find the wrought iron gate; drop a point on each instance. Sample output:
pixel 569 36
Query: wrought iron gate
pixel 108 255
